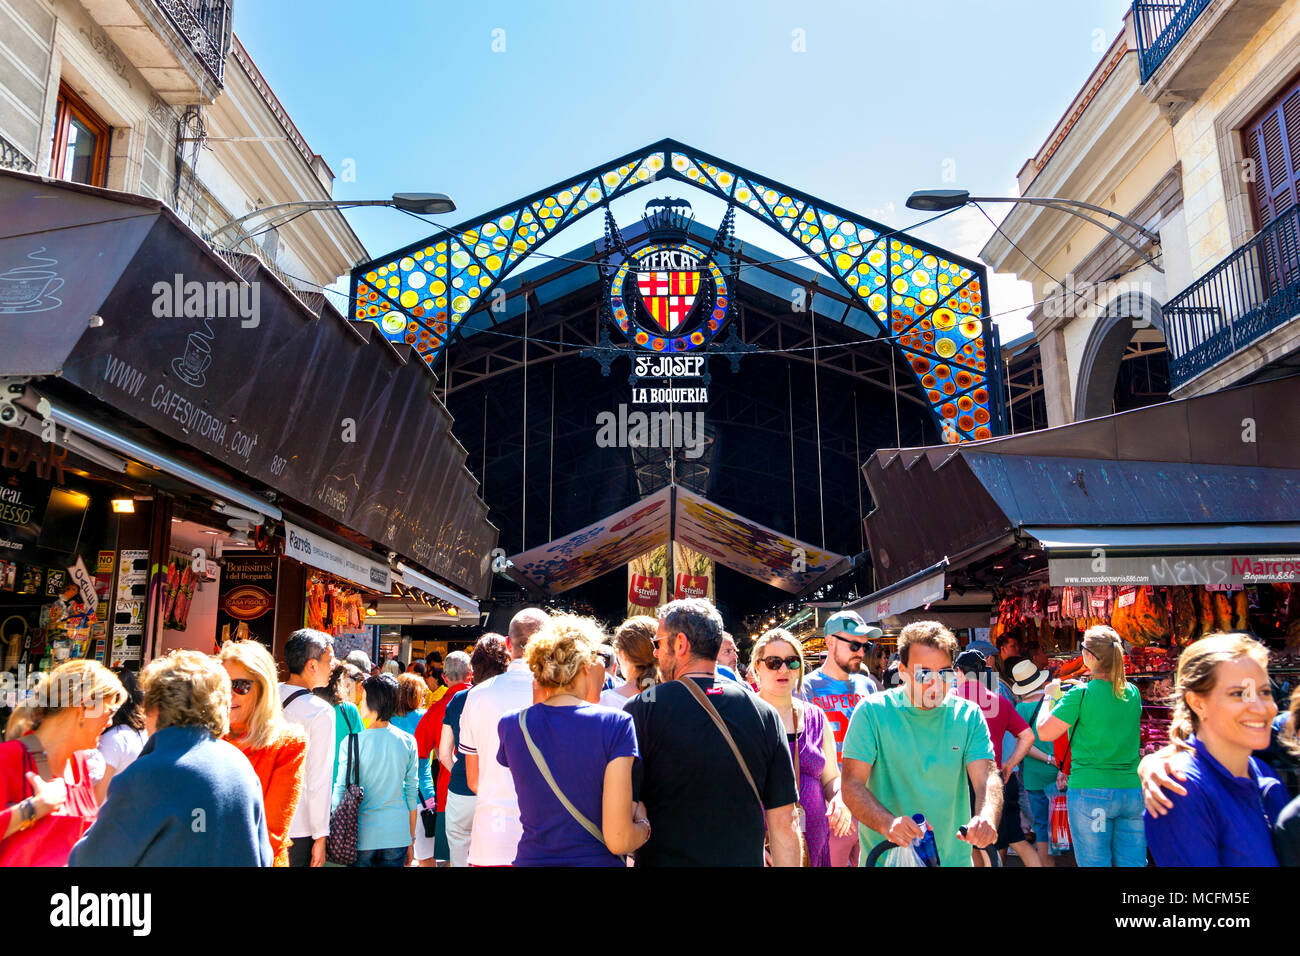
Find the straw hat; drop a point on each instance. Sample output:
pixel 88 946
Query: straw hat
pixel 1027 678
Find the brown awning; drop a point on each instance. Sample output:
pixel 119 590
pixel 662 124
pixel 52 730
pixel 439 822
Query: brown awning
pixel 298 399
pixel 1229 458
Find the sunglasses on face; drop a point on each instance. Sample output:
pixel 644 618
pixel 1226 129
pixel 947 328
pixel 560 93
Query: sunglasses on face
pixel 775 663
pixel 856 646
pixel 925 674
pixel 241 685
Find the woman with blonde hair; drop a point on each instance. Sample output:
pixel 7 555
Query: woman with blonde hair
pixel 275 747
pixel 1223 713
pixel 571 760
pixel 190 798
pixel 777 659
pixel 634 643
pixel 46 790
pixel 1102 716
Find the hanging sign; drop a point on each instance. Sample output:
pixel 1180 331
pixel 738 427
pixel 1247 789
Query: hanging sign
pixel 247 597
pixel 320 552
pixel 85 585
pixel 1203 570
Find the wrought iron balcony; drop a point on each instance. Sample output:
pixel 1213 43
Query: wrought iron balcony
pixel 1159 27
pixel 205 25
pixel 1253 291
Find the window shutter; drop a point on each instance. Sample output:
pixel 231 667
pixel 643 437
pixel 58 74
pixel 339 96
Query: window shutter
pixel 1273 143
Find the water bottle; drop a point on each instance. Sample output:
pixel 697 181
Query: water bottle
pixel 925 846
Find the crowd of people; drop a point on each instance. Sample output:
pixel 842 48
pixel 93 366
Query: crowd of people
pixel 656 744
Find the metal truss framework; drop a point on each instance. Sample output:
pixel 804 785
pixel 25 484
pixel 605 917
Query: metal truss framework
pixel 930 303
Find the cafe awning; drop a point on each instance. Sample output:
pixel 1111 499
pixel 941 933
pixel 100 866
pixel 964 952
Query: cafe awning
pixel 110 295
pixel 675 514
pixel 1221 461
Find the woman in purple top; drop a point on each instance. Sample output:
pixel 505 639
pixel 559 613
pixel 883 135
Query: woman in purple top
pixel 571 760
pixel 777 661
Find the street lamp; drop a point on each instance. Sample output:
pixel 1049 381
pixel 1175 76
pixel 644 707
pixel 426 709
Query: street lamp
pixel 426 204
pixel 939 200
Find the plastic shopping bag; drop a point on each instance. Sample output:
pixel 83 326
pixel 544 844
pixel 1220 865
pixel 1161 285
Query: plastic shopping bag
pixel 1059 817
pixel 901 856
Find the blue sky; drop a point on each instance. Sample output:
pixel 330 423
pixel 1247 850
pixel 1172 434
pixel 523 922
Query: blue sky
pixel 856 103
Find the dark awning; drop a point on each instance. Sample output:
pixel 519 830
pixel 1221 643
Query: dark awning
pixel 320 409
pixel 1230 458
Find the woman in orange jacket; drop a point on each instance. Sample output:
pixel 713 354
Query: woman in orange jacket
pixel 275 747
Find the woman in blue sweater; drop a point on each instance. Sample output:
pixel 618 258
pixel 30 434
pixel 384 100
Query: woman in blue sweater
pixel 388 775
pixel 1223 712
pixel 190 798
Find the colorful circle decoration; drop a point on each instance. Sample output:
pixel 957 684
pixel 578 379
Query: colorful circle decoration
pixel 932 307
pixel 669 297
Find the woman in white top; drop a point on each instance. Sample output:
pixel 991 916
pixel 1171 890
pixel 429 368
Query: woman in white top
pixel 634 642
pixel 125 737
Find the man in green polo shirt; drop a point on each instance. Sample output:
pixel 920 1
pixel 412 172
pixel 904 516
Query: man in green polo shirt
pixel 911 749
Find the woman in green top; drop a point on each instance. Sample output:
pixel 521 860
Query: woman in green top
pixel 1102 717
pixel 345 680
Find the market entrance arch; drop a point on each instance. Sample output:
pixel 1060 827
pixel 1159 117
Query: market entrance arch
pixel 929 304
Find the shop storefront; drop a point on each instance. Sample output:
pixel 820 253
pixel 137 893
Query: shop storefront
pixel 202 470
pixel 1167 523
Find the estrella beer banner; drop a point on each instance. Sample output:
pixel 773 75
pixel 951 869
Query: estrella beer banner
pixel 645 581
pixel 692 572
pixel 648 587
pixel 246 598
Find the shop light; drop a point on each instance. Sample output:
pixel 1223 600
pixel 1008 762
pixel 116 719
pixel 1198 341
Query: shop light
pixel 372 608
pixel 451 610
pixel 124 506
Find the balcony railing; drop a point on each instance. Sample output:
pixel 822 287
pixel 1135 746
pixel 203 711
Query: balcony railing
pixel 1159 27
pixel 1249 294
pixel 205 24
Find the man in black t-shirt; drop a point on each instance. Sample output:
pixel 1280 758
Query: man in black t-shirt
pixel 702 810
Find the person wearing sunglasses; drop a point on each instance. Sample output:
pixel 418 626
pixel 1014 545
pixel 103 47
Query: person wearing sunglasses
pixel 912 749
pixel 779 666
pixel 276 748
pixel 837 687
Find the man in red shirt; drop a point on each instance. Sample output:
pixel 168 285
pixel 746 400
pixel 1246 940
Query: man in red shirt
pixel 428 734
pixel 1002 719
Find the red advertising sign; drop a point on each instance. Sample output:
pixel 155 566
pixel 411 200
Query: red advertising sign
pixel 691 586
pixel 644 590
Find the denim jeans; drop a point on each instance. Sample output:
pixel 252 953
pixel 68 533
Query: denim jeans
pixel 393 857
pixel 1040 816
pixel 1106 827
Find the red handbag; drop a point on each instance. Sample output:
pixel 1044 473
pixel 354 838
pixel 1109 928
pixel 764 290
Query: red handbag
pixel 49 841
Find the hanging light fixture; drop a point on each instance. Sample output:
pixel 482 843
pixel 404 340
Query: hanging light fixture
pixel 372 608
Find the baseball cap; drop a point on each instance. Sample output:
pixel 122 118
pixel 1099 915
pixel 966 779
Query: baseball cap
pixel 850 622
pixel 971 660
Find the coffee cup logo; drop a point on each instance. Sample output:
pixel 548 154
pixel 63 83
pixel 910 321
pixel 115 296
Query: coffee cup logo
pixel 190 365
pixel 30 287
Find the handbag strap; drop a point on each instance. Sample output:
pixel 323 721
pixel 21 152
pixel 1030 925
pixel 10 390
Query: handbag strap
pixel 540 761
pixel 354 762
pixel 726 734
pixel 34 749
